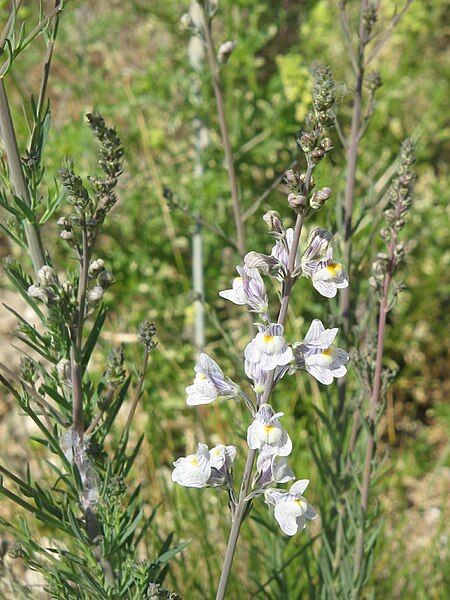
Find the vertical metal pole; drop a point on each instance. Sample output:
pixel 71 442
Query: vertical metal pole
pixel 196 59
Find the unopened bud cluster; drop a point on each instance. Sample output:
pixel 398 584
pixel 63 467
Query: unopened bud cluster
pixel 369 19
pixel 315 144
pixel 91 208
pixel 105 279
pixel 115 373
pixel 28 370
pixel 400 196
pixel 146 334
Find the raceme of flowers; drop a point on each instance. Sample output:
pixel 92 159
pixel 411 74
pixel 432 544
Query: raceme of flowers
pixel 268 357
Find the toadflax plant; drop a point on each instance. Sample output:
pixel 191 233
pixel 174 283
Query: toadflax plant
pixel 269 357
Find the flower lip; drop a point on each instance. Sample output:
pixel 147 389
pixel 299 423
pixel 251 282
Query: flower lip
pixel 268 349
pixel 266 434
pixel 291 509
pixel 318 356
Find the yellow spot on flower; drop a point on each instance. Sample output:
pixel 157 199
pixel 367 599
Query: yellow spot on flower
pixel 194 461
pixel 328 352
pixel 268 338
pixel 268 428
pixel 334 268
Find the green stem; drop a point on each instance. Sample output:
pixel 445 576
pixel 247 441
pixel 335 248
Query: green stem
pixel 18 179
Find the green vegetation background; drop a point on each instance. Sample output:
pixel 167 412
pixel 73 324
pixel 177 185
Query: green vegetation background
pixel 129 61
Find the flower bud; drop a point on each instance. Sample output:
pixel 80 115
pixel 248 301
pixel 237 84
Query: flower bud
pixel 302 180
pixel 45 295
pixel 319 198
pixel 28 370
pixel 105 279
pixel 266 263
pixel 95 295
pixel 225 51
pixel 46 276
pixel 66 235
pixel 317 154
pixel 146 333
pixel 290 176
pixel 96 267
pixel 64 222
pixel 369 19
pixel 296 201
pixel 326 144
pixel 273 220
pixel 307 141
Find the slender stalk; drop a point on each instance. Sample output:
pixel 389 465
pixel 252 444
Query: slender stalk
pixel 352 160
pixel 358 128
pixel 138 390
pixel 34 32
pixel 93 528
pixel 374 401
pixel 196 59
pixel 387 34
pixel 77 339
pixel 243 504
pixel 18 179
pixel 45 74
pixel 229 159
pixel 358 62
pixel 9 23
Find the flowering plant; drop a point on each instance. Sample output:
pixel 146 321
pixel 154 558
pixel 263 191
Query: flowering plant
pixel 269 356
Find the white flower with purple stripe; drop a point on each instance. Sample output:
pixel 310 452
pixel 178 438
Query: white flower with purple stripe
pixel 209 383
pixel 205 468
pixel 266 434
pixel 327 274
pixel 222 458
pixel 248 289
pixel 282 249
pixel 291 509
pixel 193 470
pixel 318 356
pixel 268 348
pixel 271 468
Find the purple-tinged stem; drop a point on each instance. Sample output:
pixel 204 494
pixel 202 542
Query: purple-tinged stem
pixel 374 401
